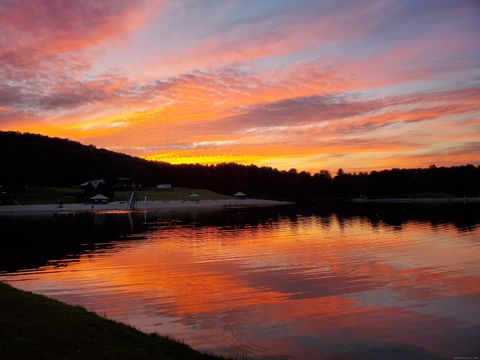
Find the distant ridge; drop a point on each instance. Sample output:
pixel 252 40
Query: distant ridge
pixel 31 159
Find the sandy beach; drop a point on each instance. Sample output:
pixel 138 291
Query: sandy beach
pixel 149 205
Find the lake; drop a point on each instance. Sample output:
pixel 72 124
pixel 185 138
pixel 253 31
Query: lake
pixel 292 283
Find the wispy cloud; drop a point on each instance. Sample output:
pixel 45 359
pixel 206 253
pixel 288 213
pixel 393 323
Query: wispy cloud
pixel 317 84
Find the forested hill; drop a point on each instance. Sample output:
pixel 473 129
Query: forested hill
pixel 29 159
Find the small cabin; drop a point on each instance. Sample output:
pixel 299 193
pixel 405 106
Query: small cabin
pixel 123 183
pixel 164 186
pixel 94 183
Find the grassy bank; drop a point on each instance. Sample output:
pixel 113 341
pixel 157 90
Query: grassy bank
pixel 54 195
pixel 44 195
pixel 172 194
pixel 36 327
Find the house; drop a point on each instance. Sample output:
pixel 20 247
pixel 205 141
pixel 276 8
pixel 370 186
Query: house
pixel 123 183
pixel 164 186
pixel 94 183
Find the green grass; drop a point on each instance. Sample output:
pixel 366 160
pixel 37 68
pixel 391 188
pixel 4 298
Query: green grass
pixel 35 327
pixel 173 194
pixel 45 195
pixel 53 195
pixel 419 195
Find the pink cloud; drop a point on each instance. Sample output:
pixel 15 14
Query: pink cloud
pixel 245 86
pixel 271 37
pixel 35 32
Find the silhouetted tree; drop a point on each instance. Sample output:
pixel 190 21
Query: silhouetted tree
pixel 29 159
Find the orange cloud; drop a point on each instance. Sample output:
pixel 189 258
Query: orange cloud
pixel 239 90
pixel 63 27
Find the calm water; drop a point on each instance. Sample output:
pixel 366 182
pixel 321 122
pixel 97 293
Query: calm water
pixel 282 283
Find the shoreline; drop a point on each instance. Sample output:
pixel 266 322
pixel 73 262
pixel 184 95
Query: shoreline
pixel 443 200
pixel 154 205
pixel 35 326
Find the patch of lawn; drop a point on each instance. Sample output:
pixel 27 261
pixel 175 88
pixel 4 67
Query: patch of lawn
pixel 423 195
pixel 36 327
pixel 171 194
pixel 54 195
pixel 45 195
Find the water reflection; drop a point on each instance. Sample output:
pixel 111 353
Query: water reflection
pixel 342 282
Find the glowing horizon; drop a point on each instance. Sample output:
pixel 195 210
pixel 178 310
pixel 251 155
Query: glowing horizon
pixel 309 85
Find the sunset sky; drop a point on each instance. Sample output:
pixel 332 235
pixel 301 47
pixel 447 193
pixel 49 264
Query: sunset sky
pixel 310 85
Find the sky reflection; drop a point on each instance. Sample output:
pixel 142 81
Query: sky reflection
pixel 296 287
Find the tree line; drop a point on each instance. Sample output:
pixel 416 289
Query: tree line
pixel 30 159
